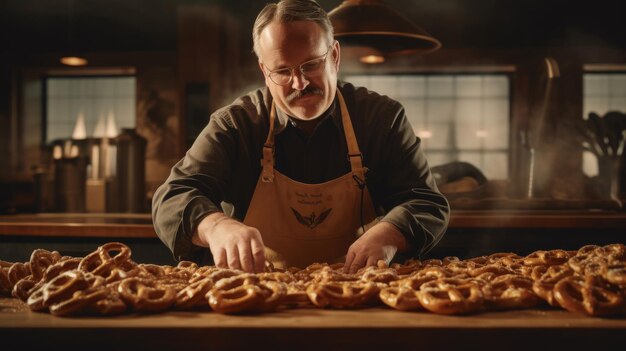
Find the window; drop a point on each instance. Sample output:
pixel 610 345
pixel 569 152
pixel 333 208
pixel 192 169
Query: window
pixel 602 92
pixel 459 117
pixel 103 102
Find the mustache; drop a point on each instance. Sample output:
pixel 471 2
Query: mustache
pixel 300 93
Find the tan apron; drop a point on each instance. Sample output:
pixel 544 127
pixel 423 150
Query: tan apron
pixel 306 223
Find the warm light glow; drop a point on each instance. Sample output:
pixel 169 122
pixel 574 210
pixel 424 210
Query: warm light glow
pixel 481 133
pixel 372 59
pixel 424 134
pixel 73 61
pixel 80 132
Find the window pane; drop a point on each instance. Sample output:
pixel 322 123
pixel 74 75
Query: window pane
pixel 95 98
pixel 458 117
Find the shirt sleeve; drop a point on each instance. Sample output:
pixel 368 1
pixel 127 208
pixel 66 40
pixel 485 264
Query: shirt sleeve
pixel 407 190
pixel 195 187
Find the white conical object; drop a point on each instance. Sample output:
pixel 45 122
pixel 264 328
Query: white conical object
pixel 98 132
pixel 80 132
pixel 111 131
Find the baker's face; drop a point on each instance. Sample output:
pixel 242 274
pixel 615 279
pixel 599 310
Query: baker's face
pixel 286 50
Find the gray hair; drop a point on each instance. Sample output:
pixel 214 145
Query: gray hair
pixel 288 11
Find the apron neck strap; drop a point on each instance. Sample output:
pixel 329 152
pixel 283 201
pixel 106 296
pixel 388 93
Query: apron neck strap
pixel 354 154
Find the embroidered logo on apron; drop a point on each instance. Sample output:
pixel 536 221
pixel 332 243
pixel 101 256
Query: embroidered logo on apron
pixel 311 220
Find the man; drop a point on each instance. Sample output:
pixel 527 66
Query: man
pixel 312 169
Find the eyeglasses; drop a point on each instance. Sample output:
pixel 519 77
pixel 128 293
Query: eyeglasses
pixel 312 68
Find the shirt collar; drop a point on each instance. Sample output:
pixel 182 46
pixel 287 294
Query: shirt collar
pixel 283 119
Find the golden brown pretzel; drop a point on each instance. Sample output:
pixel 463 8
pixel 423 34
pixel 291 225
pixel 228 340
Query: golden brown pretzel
pixel 510 292
pixel 238 294
pixel 100 262
pixel 17 272
pixel 145 295
pixel 400 298
pixel 274 293
pixel 22 289
pixel 111 304
pixel 192 295
pixel 80 301
pixel 407 267
pixel 63 286
pixel 342 294
pixel 379 275
pixel 615 272
pixel 543 257
pixel 546 277
pixel 61 267
pixel 5 284
pixel 40 260
pixel 588 295
pixel 451 296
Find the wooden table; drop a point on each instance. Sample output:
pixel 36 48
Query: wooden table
pixel 310 329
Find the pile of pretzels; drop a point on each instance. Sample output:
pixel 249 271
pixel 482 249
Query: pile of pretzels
pixel 591 280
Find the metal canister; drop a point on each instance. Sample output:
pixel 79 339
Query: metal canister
pixel 130 168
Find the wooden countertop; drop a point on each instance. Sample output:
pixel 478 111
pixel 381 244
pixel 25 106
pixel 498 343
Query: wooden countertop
pixel 372 328
pixel 140 225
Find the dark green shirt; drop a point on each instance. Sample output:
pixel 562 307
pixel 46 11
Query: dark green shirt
pixel 221 169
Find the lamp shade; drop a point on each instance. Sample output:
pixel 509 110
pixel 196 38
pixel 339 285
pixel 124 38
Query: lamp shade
pixel 372 24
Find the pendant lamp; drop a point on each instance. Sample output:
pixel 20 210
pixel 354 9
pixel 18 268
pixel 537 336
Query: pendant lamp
pixel 374 25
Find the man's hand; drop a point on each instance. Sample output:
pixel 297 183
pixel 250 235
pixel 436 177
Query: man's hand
pixel 233 244
pixel 381 242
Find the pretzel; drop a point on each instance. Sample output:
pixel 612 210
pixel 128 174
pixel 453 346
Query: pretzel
pixel 494 268
pixel 60 267
pixel 40 260
pixel 413 282
pixel 400 298
pixel 588 295
pixel 193 294
pixel 296 295
pixel 451 296
pixel 236 294
pixel 17 272
pixel 63 286
pixel 109 304
pixel 435 271
pixel 408 267
pixel 327 274
pixel 542 257
pixel 379 275
pixel 611 252
pixel 100 262
pixel 79 302
pixel 273 295
pixel 5 284
pixel 614 272
pixel 510 292
pixel 341 294
pixel 35 301
pixel 188 265
pixel 22 288
pixel 504 258
pixel 144 295
pixel 283 277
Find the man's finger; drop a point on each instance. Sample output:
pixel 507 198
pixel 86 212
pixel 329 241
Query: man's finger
pixel 232 257
pixel 245 258
pixel 349 259
pixel 219 257
pixel 258 252
pixel 358 262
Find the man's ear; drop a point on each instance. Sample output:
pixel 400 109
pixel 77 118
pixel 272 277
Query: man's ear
pixel 262 68
pixel 336 54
